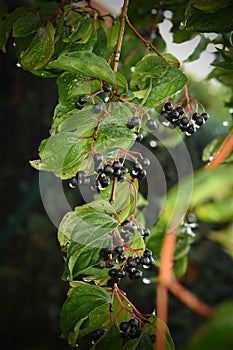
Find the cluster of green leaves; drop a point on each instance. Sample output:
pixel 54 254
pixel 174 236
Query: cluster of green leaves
pixel 74 45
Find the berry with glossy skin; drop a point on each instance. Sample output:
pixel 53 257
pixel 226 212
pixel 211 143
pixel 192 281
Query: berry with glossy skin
pixel 141 174
pixel 80 176
pixel 86 180
pixel 98 157
pixel 116 165
pixel 137 167
pixel 107 87
pixel 180 110
pixel 121 178
pixel 146 232
pixel 184 121
pixel 108 170
pixel 168 106
pixel 205 116
pixel 97 108
pixel 73 182
pixel 79 105
pixel 174 114
pixel 139 136
pixel 147 252
pixel 82 100
pixel 135 121
pixel 190 130
pixel 183 127
pixel 119 249
pixel 199 121
pixel 121 257
pixel 151 124
pixel 124 326
pixel 195 116
pixel 134 322
pixel 145 162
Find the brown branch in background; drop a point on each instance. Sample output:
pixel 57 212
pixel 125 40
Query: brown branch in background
pixel 225 149
pixel 120 36
pixel 146 42
pixel 190 299
pixel 57 11
pixel 165 277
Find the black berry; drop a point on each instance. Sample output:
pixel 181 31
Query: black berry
pixel 180 110
pixel 168 106
pixel 73 182
pixel 107 87
pixel 199 121
pixel 97 108
pixel 151 124
pixel 98 157
pixel 139 136
pixel 145 162
pixel 119 249
pixel 124 326
pixel 108 170
pixel 184 121
pixel 82 100
pixel 134 322
pixel 190 130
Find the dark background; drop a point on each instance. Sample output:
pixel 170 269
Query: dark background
pixel 31 292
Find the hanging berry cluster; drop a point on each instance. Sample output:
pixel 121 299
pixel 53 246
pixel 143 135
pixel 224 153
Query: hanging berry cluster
pixel 188 122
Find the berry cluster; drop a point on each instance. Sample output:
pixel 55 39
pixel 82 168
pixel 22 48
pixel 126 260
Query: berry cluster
pixel 136 122
pixel 107 172
pixel 132 263
pixel 130 329
pixel 129 227
pixel 173 117
pixel 82 100
pixel 80 179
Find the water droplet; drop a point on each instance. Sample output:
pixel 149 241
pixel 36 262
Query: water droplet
pixel 145 266
pixel 211 158
pixel 146 281
pixel 153 11
pixel 13 44
pixel 106 99
pixel 225 123
pixel 153 36
pixel 132 69
pixel 18 64
pixel 153 143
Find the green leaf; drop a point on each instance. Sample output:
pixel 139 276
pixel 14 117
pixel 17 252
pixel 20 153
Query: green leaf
pixel 157 78
pixel 225 238
pixel 81 301
pixel 86 63
pixel 150 67
pixel 210 5
pixel 180 266
pixel 113 36
pixel 122 84
pixel 26 25
pixel 218 21
pixel 82 31
pixel 218 212
pixel 3 10
pixel 88 221
pixel 110 340
pixel 211 148
pixel 198 49
pixel 62 154
pixel 216 333
pixel 40 50
pixel 112 136
pixel 207 185
pixel 100 46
